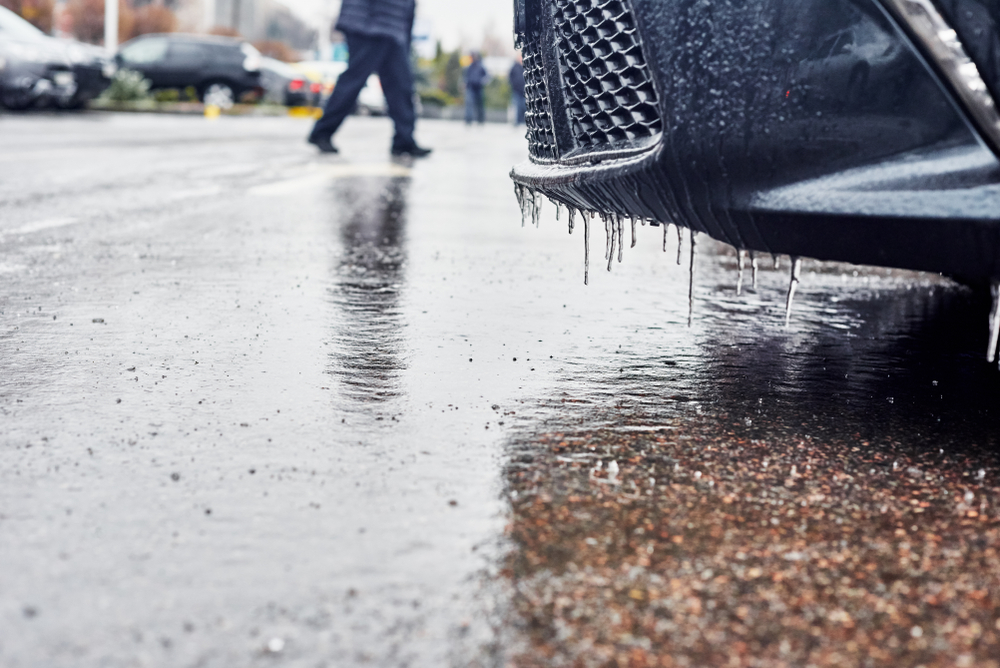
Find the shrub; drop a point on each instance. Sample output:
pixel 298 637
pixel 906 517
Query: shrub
pixel 436 96
pixel 496 95
pixel 127 86
pixel 167 95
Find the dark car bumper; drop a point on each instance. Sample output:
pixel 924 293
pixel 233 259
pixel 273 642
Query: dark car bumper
pixel 819 128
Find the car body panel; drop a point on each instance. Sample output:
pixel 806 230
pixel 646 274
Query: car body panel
pixel 769 114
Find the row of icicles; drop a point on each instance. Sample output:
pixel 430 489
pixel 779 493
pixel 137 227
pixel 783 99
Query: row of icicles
pixel 530 202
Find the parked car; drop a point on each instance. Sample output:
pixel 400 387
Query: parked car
pixel 36 69
pixel 283 84
pixel 863 131
pixel 221 69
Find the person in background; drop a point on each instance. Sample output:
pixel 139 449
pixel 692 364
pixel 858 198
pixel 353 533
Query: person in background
pixel 378 40
pixel 475 81
pixel 517 89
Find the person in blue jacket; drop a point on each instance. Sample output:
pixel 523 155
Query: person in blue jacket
pixel 378 40
pixel 475 81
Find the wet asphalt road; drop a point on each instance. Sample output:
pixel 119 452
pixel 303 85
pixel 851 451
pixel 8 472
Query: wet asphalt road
pixel 263 407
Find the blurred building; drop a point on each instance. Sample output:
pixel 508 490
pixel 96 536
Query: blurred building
pixel 256 20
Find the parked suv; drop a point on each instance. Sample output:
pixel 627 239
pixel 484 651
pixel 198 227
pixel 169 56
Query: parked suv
pixel 221 69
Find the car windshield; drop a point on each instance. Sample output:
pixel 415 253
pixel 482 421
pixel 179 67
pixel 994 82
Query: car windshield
pixel 12 25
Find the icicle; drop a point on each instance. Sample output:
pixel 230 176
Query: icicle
pixel 777 261
pixel 739 271
pixel 607 236
pixel 519 191
pixel 612 228
pixel 537 210
pixel 691 279
pixel 666 227
pixel 753 270
pixel 570 216
pixel 586 250
pixel 621 237
pixel 633 233
pixel 796 266
pixel 991 351
pixel 680 242
pixel 558 210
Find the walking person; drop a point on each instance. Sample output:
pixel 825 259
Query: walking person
pixel 378 40
pixel 475 80
pixel 516 78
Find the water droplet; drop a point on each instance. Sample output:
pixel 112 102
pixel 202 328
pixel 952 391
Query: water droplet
pixel 612 468
pixel 275 645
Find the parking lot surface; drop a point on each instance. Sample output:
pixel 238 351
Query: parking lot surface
pixel 264 407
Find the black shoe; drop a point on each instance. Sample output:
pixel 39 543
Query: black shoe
pixel 411 150
pixel 323 144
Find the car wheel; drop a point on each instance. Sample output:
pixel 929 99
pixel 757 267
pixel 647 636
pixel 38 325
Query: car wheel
pixel 16 101
pixel 220 94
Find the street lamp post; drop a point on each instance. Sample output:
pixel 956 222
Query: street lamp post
pixel 111 26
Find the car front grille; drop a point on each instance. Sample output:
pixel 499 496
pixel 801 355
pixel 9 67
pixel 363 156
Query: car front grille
pixel 607 100
pixel 608 91
pixel 537 113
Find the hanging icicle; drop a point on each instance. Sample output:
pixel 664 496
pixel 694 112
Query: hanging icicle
pixel 558 209
pixel 680 243
pixel 586 250
pixel 694 244
pixel 796 266
pixel 537 211
pixel 777 261
pixel 753 270
pixel 621 236
pixel 613 230
pixel 633 233
pixel 991 351
pixel 739 271
pixel 570 216
pixel 607 236
pixel 666 228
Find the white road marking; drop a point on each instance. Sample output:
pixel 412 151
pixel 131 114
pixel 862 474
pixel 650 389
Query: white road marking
pixel 39 225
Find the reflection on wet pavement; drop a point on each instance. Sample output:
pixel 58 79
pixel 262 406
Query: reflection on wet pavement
pixel 369 279
pixel 825 496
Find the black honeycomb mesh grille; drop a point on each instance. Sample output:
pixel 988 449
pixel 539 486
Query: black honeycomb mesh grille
pixel 608 92
pixel 537 114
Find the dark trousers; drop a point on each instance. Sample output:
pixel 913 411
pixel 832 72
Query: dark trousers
pixel 519 104
pixel 474 109
pixel 366 55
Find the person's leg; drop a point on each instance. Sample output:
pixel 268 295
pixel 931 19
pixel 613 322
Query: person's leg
pixel 397 85
pixel 470 104
pixel 480 105
pixel 365 55
pixel 519 109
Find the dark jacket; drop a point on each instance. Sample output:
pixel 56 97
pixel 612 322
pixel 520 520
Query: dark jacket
pixel 383 18
pixel 475 74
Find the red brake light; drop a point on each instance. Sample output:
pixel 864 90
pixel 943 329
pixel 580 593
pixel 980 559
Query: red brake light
pixel 316 87
pixel 296 84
